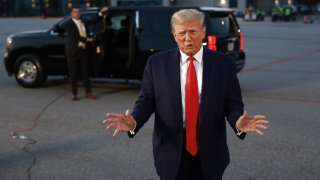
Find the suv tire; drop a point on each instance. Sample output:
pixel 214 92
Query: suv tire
pixel 29 72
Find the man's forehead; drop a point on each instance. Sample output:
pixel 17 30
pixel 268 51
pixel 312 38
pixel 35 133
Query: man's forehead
pixel 186 29
pixel 187 26
pixel 187 23
pixel 75 10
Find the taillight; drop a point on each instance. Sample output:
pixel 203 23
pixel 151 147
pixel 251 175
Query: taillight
pixel 212 42
pixel 241 41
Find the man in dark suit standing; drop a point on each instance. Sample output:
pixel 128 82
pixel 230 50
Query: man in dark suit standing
pixel 76 49
pixel 192 91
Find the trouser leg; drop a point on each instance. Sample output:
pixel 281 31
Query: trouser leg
pixel 85 73
pixel 73 75
pixel 190 166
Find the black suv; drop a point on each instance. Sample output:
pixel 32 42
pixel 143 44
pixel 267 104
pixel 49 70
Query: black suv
pixel 124 41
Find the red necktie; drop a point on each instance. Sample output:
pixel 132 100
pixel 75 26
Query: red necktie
pixel 192 109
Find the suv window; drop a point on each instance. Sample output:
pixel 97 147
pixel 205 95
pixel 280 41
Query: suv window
pixel 158 23
pixel 221 26
pixel 156 28
pixel 116 22
pixel 89 15
pixel 118 30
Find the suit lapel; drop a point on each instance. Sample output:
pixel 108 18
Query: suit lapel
pixel 208 74
pixel 175 84
pixel 74 26
pixel 85 26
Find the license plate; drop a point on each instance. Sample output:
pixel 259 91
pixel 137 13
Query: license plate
pixel 230 46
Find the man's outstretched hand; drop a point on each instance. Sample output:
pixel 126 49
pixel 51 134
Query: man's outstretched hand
pixel 119 122
pixel 255 123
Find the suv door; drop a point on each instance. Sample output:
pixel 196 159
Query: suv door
pixel 224 28
pixel 117 45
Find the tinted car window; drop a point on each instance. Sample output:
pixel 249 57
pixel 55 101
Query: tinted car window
pixel 116 22
pixel 221 26
pixel 156 30
pixel 90 15
pixel 118 30
pixel 158 23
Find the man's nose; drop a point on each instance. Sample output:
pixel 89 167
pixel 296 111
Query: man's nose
pixel 188 36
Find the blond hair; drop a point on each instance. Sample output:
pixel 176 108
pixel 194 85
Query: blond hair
pixel 187 15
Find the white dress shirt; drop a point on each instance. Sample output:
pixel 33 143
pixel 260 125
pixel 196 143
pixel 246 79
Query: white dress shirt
pixel 184 64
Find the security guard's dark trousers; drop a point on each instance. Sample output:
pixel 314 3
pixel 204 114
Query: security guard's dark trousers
pixel 79 61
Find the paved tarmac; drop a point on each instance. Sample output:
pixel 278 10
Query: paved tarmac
pixel 280 80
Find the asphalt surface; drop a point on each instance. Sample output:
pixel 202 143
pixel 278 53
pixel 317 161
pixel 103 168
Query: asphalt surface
pixel 280 80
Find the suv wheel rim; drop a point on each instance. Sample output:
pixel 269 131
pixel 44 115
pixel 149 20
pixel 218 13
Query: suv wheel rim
pixel 27 72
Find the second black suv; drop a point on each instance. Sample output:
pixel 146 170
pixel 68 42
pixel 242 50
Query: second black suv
pixel 126 38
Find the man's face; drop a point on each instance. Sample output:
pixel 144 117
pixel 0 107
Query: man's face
pixel 189 36
pixel 75 13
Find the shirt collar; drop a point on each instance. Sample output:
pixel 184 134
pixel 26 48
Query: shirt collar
pixel 198 56
pixel 76 21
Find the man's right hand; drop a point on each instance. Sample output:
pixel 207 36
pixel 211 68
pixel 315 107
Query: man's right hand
pixel 119 122
pixel 104 10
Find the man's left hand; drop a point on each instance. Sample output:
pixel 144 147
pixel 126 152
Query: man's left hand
pixel 255 123
pixel 121 123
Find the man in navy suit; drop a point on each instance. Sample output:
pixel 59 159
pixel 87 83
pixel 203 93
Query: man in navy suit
pixel 192 91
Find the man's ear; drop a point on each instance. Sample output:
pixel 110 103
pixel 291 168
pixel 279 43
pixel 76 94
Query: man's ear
pixel 174 35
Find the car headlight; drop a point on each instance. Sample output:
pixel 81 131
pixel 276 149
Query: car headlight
pixel 9 41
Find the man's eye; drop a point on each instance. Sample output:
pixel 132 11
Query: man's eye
pixel 182 33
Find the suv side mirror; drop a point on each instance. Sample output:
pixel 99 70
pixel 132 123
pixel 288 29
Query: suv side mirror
pixel 56 28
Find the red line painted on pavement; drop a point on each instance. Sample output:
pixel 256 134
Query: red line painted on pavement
pixel 293 58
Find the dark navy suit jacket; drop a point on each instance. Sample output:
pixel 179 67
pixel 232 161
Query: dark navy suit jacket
pixel 161 94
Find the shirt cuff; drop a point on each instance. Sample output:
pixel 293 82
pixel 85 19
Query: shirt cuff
pixel 238 131
pixel 100 14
